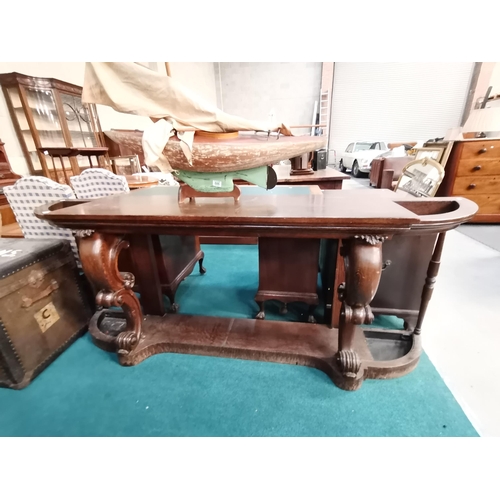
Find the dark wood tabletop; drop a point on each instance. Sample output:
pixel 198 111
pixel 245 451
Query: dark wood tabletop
pixel 157 210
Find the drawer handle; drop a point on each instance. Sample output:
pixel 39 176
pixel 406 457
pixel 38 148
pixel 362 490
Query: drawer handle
pixel 481 151
pixel 27 302
pixel 477 167
pixel 471 186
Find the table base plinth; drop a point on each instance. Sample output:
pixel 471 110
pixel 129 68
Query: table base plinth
pixel 382 354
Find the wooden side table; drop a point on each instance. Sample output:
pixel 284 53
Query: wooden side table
pixel 140 181
pixel 327 178
pixel 70 152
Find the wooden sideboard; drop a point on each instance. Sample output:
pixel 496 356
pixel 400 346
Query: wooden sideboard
pixel 361 225
pixel 473 171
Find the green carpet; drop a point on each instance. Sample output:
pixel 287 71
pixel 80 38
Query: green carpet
pixel 86 393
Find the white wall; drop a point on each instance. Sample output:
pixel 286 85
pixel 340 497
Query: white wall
pixel 495 79
pixel 397 102
pixel 197 76
pixel 252 90
pixel 485 79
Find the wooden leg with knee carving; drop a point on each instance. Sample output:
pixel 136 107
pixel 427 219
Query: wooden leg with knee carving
pixel 363 266
pixel 99 256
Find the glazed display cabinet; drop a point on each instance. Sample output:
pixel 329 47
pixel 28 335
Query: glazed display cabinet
pixel 49 113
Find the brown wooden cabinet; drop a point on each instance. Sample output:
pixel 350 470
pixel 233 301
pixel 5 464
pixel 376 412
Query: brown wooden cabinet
pixel 8 224
pixel 7 176
pixel 49 113
pixel 473 171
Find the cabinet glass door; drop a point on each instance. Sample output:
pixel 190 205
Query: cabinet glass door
pixel 45 117
pixel 42 108
pixel 79 125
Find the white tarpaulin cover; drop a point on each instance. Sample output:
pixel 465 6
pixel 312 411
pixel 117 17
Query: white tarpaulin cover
pixel 131 88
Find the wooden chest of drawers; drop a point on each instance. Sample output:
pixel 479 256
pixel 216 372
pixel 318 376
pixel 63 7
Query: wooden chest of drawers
pixel 473 171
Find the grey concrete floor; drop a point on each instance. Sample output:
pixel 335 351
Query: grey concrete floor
pixel 488 234
pixel 461 332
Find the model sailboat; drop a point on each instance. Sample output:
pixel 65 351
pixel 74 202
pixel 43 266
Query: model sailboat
pixel 190 136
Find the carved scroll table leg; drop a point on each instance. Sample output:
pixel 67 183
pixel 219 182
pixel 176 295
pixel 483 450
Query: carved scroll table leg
pixel 99 256
pixel 363 267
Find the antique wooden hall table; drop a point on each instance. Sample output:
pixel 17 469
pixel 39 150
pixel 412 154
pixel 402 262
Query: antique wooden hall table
pixel 362 221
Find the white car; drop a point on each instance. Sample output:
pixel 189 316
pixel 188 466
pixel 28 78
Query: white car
pixel 358 156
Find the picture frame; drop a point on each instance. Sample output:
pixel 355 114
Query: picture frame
pixel 447 147
pixel 434 153
pixel 421 177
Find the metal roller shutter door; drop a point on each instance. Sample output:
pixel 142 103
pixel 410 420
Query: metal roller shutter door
pixel 396 102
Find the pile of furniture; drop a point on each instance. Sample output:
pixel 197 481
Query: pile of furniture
pixel 147 241
pixel 376 251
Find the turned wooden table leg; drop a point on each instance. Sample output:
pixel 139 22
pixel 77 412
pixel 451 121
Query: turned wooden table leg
pixel 430 280
pixel 99 256
pixel 363 267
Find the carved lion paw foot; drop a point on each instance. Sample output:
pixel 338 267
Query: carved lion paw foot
pixel 261 315
pixel 174 308
pixel 311 319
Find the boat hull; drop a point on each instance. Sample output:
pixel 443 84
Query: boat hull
pixel 226 155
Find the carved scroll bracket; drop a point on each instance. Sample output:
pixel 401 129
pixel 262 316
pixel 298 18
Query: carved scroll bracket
pixel 84 233
pixel 371 239
pixel 99 256
pixel 363 267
